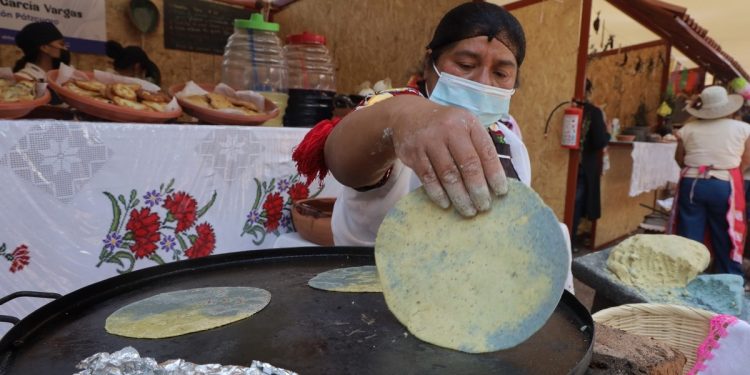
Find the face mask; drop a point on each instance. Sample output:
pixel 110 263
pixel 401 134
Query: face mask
pixel 487 103
pixel 64 58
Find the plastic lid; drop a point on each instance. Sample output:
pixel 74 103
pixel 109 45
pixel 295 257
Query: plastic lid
pixel 306 38
pixel 256 22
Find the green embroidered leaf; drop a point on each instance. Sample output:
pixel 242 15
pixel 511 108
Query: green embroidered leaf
pixel 258 193
pixel 115 212
pixel 183 245
pixel 124 255
pixel 121 198
pixel 169 185
pixel 3 248
pixel 271 185
pixel 192 238
pixel 169 218
pixel 156 258
pixel 259 233
pixel 115 260
pixel 208 205
pixel 128 236
pixel 133 195
pixel 136 202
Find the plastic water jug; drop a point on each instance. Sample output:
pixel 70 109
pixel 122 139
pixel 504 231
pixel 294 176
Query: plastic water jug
pixel 254 60
pixel 312 83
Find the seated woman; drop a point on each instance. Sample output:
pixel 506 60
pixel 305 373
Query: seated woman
pixel 713 151
pixel 446 135
pixel 132 61
pixel 43 49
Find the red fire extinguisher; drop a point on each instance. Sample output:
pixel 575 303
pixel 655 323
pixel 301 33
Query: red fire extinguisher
pixel 571 130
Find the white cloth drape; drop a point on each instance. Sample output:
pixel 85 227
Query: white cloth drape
pixel 653 166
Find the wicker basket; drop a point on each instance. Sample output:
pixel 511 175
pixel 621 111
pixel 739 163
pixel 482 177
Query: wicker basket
pixel 683 328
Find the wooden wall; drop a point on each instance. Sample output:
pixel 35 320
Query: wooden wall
pixel 547 79
pixel 620 86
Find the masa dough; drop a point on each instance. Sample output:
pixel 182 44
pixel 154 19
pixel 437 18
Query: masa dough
pixel 186 311
pixel 658 260
pixel 475 285
pixel 351 279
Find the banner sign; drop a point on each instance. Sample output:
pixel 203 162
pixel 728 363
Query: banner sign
pixel 82 22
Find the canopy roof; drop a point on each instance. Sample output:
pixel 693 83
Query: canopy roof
pixel 672 23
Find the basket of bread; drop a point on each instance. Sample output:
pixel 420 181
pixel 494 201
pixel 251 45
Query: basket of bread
pixel 19 97
pixel 222 105
pixel 112 97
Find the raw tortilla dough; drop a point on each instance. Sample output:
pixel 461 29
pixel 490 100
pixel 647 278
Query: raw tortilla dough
pixel 186 311
pixel 351 279
pixel 475 285
pixel 658 260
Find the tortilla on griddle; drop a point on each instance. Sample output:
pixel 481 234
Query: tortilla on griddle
pixel 350 279
pixel 186 311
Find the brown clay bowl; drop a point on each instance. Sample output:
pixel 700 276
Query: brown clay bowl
pixel 213 116
pixel 312 219
pixel 106 111
pixel 625 138
pixel 23 107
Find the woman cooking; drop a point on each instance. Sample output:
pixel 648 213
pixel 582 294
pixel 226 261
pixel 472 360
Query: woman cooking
pixel 43 49
pixel 445 136
pixel 713 150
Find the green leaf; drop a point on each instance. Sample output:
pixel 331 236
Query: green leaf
pixel 124 255
pixel 192 238
pixel 258 194
pixel 156 258
pixel 115 260
pixel 271 185
pixel 128 236
pixel 169 185
pixel 121 198
pixel 3 248
pixel 183 245
pixel 133 194
pixel 115 212
pixel 136 201
pixel 260 235
pixel 161 187
pixel 169 218
pixel 208 205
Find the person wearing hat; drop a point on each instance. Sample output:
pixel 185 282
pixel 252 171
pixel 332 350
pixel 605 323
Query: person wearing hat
pixel 713 150
pixel 445 135
pixel 43 49
pixel 132 61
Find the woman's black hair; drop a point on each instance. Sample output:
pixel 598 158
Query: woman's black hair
pixel 33 36
pixel 474 19
pixel 126 57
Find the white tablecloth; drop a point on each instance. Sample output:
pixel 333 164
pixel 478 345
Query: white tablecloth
pixel 653 166
pixel 88 201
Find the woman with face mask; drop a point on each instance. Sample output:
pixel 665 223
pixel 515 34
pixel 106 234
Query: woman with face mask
pixel 43 49
pixel 132 61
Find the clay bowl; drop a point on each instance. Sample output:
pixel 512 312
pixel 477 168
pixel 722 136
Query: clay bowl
pixel 107 111
pixel 625 138
pixel 312 219
pixel 213 116
pixel 22 108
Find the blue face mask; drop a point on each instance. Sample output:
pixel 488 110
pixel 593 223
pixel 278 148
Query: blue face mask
pixel 487 103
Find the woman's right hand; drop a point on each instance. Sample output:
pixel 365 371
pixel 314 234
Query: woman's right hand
pixel 451 153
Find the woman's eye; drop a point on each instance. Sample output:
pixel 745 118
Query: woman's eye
pixel 466 66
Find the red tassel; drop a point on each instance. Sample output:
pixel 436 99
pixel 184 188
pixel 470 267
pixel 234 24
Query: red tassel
pixel 309 155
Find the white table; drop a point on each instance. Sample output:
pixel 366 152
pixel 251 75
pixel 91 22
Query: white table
pixel 92 200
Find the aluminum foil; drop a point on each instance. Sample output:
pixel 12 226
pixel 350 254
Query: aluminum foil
pixel 128 361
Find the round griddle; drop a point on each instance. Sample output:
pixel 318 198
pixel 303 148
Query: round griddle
pixel 303 329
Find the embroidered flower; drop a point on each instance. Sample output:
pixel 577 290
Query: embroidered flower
pixel 183 208
pixel 168 243
pixel 112 241
pixel 20 258
pixel 152 198
pixel 205 243
pixel 286 222
pixel 145 228
pixel 298 191
pixel 253 216
pixel 283 185
pixel 273 207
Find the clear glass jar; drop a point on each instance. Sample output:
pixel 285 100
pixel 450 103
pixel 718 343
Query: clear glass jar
pixel 309 62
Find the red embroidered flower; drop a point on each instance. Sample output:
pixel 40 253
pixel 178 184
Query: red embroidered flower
pixel 298 191
pixel 182 207
pixel 20 258
pixel 273 206
pixel 205 243
pixel 145 228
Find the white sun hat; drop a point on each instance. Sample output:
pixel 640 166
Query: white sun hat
pixel 714 102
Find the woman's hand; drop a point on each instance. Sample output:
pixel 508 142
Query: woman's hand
pixel 451 153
